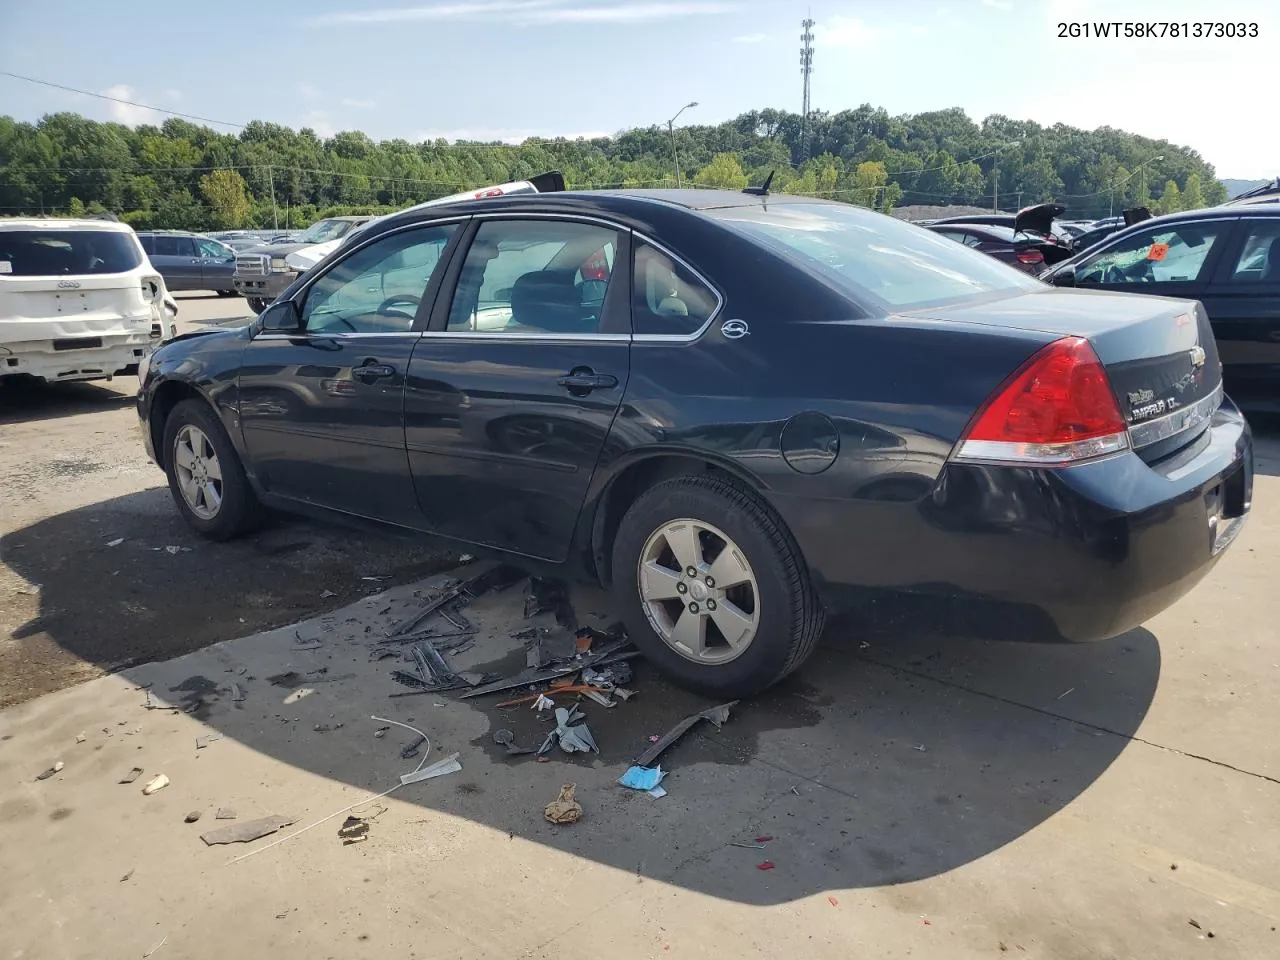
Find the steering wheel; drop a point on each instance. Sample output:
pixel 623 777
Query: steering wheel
pixel 1114 274
pixel 408 299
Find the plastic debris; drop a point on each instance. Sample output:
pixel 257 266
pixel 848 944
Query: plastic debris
pixel 325 595
pixel 128 875
pixel 191 817
pixel 763 838
pixel 657 792
pixel 642 778
pixel 623 693
pixel 56 768
pixel 608 677
pixel 353 830
pixel 247 830
pixel 507 739
pixel 543 702
pixel 81 738
pixel 765 865
pixel 225 813
pixel 573 738
pixel 163 941
pixel 116 542
pixel 410 750
pixel 716 715
pixel 599 655
pixel 299 694
pixel 565 807
pixel 237 692
pixel 833 901
pixel 174 551
pixel 202 742
pixel 380 733
pixel 595 696
pixel 159 782
pixel 449 764
pixel 132 775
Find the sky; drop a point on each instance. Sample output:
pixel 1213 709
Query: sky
pixel 509 69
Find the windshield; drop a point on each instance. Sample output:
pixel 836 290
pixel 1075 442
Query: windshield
pixel 323 230
pixel 876 257
pixel 49 253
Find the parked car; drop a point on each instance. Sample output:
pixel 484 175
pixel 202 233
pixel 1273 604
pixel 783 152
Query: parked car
pixel 242 243
pixel 1224 257
pixel 1094 236
pixel 1041 218
pixel 261 273
pixel 734 410
pixel 78 299
pixel 189 261
pixel 1025 252
pixel 1268 192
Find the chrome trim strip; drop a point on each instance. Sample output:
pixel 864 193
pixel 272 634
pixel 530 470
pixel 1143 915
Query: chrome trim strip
pixel 530 215
pixel 513 335
pixel 1153 431
pixel 1042 454
pixel 304 335
pixel 677 338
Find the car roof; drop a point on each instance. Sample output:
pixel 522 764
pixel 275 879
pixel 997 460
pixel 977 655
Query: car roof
pixel 62 223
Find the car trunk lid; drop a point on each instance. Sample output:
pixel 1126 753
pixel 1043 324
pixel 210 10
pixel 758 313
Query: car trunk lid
pixel 1159 353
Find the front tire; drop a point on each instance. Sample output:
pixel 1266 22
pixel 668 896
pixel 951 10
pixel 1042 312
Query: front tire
pixel 713 588
pixel 206 478
pixel 257 304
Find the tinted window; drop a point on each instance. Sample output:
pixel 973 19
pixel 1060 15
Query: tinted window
pixel 47 253
pixel 668 299
pixel 546 276
pixel 377 289
pixel 170 246
pixel 212 248
pixel 1259 260
pixel 148 242
pixel 876 257
pixel 1166 253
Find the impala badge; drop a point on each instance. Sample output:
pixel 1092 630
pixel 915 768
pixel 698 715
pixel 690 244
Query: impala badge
pixel 734 329
pixel 1197 356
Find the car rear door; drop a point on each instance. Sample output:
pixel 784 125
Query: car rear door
pixel 1166 258
pixel 217 264
pixel 322 408
pixel 176 259
pixel 513 390
pixel 1243 303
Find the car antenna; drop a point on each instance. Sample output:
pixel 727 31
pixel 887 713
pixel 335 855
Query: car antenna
pixel 763 189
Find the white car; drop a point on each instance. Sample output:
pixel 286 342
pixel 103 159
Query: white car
pixel 79 300
pixel 306 258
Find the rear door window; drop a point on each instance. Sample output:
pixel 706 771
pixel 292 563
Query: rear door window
pixel 1259 257
pixel 169 246
pixel 49 253
pixel 668 299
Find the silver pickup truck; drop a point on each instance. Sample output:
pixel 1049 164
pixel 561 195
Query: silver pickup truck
pixel 262 273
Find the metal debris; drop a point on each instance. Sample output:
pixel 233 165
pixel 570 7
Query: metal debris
pixel 157 783
pixel 56 768
pixel 565 807
pixel 716 715
pixel 608 677
pixel 326 594
pixel 247 831
pixel 202 742
pixel 132 775
pixel 507 739
pixel 237 692
pixel 225 813
pixel 572 739
pixel 449 764
pixel 607 653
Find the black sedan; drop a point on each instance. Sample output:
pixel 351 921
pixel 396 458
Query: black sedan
pixel 734 410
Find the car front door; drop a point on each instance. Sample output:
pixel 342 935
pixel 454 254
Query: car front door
pixel 1167 259
pixel 514 388
pixel 322 408
pixel 1243 303
pixel 217 264
pixel 176 259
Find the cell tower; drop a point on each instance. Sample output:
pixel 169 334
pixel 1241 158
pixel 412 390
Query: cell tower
pixel 806 69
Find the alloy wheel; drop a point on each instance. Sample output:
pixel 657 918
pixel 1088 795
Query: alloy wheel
pixel 198 472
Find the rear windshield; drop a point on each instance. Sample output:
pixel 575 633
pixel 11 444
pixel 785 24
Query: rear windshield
pixel 55 253
pixel 875 257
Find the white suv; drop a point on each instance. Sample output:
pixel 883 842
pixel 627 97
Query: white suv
pixel 79 300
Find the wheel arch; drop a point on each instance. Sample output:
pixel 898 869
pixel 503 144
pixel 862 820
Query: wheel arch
pixel 164 397
pixel 630 477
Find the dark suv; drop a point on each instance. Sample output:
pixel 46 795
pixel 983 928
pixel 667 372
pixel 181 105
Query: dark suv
pixel 188 261
pixel 1226 257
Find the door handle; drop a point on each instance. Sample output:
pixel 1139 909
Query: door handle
pixel 372 371
pixel 584 381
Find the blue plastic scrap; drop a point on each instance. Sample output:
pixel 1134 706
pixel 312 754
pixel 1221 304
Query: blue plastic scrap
pixel 642 778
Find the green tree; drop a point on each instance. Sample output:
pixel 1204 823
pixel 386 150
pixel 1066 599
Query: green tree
pixel 76 207
pixel 723 172
pixel 227 195
pixel 1170 201
pixel 1192 193
pixel 868 180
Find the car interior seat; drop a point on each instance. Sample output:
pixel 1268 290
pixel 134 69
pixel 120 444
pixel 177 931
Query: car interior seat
pixel 547 300
pixel 1271 271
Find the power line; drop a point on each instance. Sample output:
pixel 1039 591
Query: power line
pixel 132 103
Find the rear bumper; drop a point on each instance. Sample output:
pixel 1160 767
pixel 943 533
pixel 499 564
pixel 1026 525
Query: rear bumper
pixel 97 359
pixel 1079 553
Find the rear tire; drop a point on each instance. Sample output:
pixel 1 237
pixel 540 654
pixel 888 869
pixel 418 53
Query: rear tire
pixel 257 304
pixel 206 477
pixel 742 639
pixel 226 293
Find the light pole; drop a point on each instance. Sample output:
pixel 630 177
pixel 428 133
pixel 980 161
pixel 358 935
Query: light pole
pixel 1142 169
pixel 671 127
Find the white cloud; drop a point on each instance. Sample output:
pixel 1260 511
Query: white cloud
pixel 175 95
pixel 309 91
pixel 358 104
pixel 998 4
pixel 838 31
pixel 319 121
pixel 533 12
pixel 751 38
pixel 129 113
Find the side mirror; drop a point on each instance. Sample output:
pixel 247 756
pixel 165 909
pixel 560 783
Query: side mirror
pixel 1066 277
pixel 281 317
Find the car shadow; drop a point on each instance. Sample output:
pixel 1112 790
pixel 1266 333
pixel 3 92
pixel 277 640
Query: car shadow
pixel 24 399
pixel 895 754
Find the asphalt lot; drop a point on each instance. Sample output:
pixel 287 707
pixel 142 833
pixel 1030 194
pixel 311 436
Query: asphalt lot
pixel 928 795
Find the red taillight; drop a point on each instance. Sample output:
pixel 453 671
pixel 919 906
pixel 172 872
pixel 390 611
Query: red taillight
pixel 1030 256
pixel 1059 408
